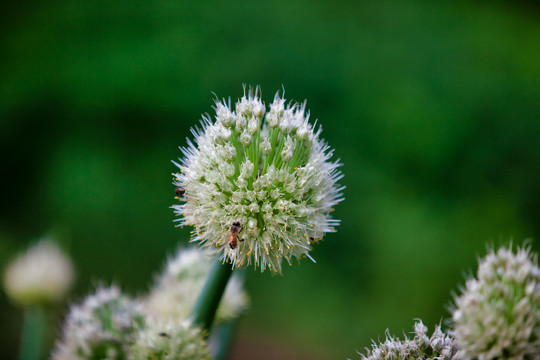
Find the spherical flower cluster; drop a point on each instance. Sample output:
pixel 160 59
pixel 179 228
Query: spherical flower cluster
pixel 498 314
pixel 439 346
pixel 177 288
pixel 102 327
pixel 267 172
pixel 42 275
pixel 169 340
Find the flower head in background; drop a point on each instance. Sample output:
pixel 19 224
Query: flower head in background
pixel 498 314
pixel 169 340
pixel 177 288
pixel 439 346
pixel 102 327
pixel 258 184
pixel 42 275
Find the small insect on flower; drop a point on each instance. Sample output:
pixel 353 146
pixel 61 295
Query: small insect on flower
pixel 179 192
pixel 236 228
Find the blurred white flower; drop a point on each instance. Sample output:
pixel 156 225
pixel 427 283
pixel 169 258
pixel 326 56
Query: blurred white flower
pixel 102 327
pixel 268 172
pixel 41 275
pixel 169 340
pixel 440 346
pixel 178 287
pixel 498 314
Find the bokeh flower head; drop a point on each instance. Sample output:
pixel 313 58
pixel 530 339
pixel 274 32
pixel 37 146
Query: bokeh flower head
pixel 41 275
pixel 497 316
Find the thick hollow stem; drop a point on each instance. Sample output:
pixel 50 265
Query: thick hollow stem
pixel 225 337
pixel 205 308
pixel 32 334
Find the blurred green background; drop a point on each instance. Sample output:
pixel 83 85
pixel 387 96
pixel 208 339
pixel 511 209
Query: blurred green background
pixel 433 108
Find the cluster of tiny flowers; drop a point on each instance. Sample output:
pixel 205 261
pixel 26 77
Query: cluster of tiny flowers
pixel 102 327
pixel 266 171
pixel 498 314
pixel 169 340
pixel 439 346
pixel 41 275
pixel 177 288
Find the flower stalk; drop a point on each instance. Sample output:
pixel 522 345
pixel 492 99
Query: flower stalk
pixel 225 335
pixel 207 303
pixel 33 333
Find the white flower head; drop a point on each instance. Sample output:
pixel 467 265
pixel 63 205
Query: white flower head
pixel 498 314
pixel 169 340
pixel 272 177
pixel 438 346
pixel 43 274
pixel 102 327
pixel 178 287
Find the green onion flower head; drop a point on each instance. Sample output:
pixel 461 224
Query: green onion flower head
pixel 42 275
pixel 169 340
pixel 177 288
pixel 438 346
pixel 258 184
pixel 102 327
pixel 498 314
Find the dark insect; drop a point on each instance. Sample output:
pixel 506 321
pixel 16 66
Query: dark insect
pixel 163 334
pixel 179 191
pixel 236 228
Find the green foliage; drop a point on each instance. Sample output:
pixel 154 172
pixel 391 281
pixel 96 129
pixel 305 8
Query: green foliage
pixel 433 108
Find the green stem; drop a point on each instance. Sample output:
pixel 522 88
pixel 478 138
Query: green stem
pixel 33 332
pixel 225 336
pixel 205 308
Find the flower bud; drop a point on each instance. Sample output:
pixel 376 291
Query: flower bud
pixel 245 138
pixel 42 275
pixel 224 114
pixel 286 154
pixel 272 120
pixel 265 146
pixel 247 169
pixel 302 132
pixel 253 125
pixel 259 109
pixel 240 122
